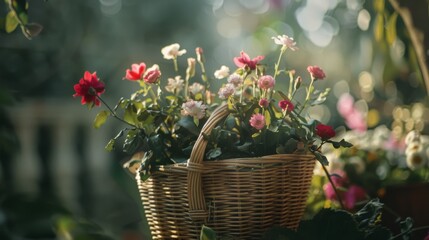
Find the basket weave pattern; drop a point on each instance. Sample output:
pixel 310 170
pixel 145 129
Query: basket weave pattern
pixel 240 198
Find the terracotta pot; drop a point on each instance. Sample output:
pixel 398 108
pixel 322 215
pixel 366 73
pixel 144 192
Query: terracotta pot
pixel 404 201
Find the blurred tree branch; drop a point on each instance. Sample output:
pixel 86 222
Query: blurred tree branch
pixel 415 15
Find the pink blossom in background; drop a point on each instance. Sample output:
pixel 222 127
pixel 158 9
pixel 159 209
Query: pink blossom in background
pixel 354 195
pixel 345 104
pixel 257 121
pixel 354 119
pixel 244 60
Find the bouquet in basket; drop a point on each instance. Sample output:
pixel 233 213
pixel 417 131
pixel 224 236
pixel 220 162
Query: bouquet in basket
pixel 164 117
pixel 251 126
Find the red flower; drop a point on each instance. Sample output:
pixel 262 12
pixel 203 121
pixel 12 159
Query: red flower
pixel 89 87
pixel 136 72
pixel 324 131
pixel 316 72
pixel 244 60
pixel 286 105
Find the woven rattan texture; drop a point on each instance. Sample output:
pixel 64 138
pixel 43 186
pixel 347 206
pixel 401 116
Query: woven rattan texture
pixel 243 197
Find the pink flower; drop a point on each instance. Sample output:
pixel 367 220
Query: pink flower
pixel 226 91
pixel 136 72
pixel 89 87
pixel 356 121
pixel 353 117
pixel 244 60
pixel 266 82
pixel 194 109
pixel 340 180
pixel 285 41
pixel 324 131
pixel 353 195
pixel 345 104
pixel 316 72
pixel 263 102
pixel 152 75
pixel 235 79
pixel 257 121
pixel 286 105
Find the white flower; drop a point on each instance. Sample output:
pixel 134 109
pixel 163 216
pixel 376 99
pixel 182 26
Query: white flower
pixel 235 79
pixel 416 160
pixel 196 88
pixel 172 51
pixel 413 136
pixel 226 91
pixel 194 109
pixel 285 41
pixel 223 72
pixel 175 84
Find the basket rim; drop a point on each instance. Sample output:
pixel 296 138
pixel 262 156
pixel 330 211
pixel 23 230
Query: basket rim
pixel 248 162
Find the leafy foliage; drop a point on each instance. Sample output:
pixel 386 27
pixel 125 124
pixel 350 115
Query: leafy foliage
pixel 18 16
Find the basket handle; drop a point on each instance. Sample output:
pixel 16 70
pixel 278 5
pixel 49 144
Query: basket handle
pixel 196 201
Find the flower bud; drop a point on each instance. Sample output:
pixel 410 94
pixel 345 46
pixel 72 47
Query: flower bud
pixel 199 52
pixel 190 71
pixel 298 82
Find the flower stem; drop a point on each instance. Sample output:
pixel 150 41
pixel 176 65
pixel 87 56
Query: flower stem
pixel 308 95
pixel 114 113
pixel 176 68
pixel 276 67
pixel 155 101
pixel 333 186
pixel 290 85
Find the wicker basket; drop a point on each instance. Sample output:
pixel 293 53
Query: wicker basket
pixel 240 198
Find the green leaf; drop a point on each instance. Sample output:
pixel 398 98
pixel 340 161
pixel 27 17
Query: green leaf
pixel 207 233
pixel 345 144
pixel 101 118
pixel 110 145
pixel 391 28
pixel 321 158
pixel 379 27
pixel 321 98
pixel 330 224
pixel 24 17
pixel 188 123
pixel 11 22
pixel 130 114
pixel 267 116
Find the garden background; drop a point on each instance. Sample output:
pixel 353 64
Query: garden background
pixel 53 164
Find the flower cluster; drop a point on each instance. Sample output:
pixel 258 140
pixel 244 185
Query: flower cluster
pixel 165 115
pixel 377 160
